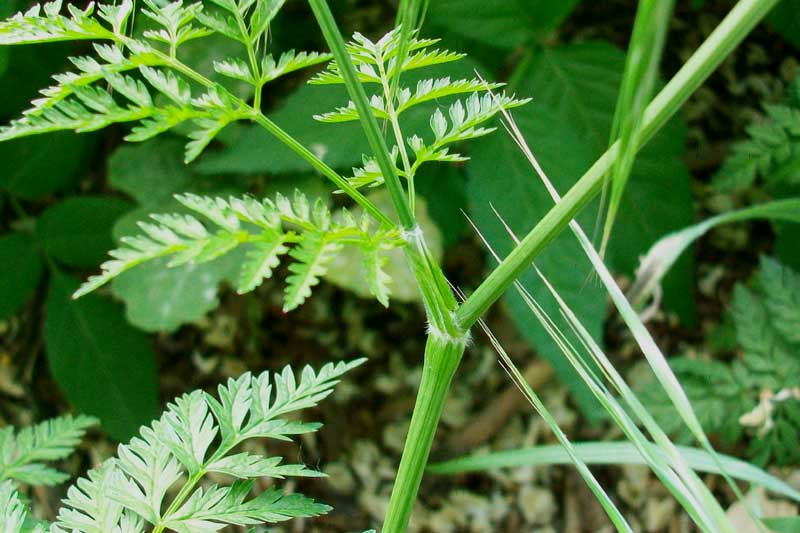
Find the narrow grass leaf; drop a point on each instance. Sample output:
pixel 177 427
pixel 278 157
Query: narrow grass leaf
pixel 663 254
pixel 638 81
pixel 611 453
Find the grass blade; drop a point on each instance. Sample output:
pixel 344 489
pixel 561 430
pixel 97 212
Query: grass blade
pixel 566 447
pixel 681 481
pixel 663 254
pixel 638 82
pixel 612 453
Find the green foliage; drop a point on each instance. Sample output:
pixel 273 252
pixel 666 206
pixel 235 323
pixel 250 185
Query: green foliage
pixel 263 226
pixel 758 392
pixel 144 80
pixel 22 454
pixel 785 19
pixel 158 298
pixel 196 436
pixel 13 513
pixel 501 24
pixel 772 152
pixel 105 366
pixel 166 174
pixel 38 166
pixel 75 231
pixel 376 64
pixel 770 158
pixel 20 272
pixel 573 114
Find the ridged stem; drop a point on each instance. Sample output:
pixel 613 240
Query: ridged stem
pixel 442 356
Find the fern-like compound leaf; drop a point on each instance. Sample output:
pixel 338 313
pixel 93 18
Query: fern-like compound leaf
pixel 44 23
pixel 12 511
pixel 370 58
pixel 22 454
pixel 782 288
pixel 211 510
pixel 312 256
pixel 432 89
pixel 267 228
pixel 175 19
pixel 89 507
pixel 757 395
pixel 196 436
pixel 376 62
pixel 125 79
pixel 772 152
pixel 289 62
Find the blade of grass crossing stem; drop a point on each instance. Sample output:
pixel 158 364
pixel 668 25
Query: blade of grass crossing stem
pixel 648 346
pixel 636 89
pixel 685 495
pixel 566 446
pixel 333 37
pixel 610 453
pixel 728 34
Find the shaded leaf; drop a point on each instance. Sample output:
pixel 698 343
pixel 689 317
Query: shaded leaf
pixel 503 24
pixel 20 272
pixel 105 367
pixel 77 231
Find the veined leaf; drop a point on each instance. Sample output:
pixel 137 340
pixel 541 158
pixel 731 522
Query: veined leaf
pixel 575 88
pixel 104 366
pixel 505 24
pixel 20 271
pixel 23 453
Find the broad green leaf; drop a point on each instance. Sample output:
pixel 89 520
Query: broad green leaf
pixel 506 24
pixel 567 127
pixel 20 272
pixel 28 69
pixel 105 367
pixel 786 239
pixel 77 231
pixel 158 298
pixel 520 199
pixel 785 524
pixel 612 453
pixel 444 188
pixel 150 172
pixel 785 19
pixel 38 166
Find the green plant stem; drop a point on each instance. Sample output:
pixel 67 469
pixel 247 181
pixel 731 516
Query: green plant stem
pixel 742 18
pixel 398 136
pixel 260 119
pixel 437 297
pixel 181 498
pixel 376 141
pixel 442 356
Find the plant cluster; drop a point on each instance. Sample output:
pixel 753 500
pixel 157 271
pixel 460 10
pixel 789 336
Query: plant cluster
pixel 188 470
pixel 757 393
pixel 160 479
